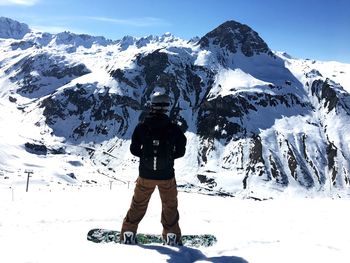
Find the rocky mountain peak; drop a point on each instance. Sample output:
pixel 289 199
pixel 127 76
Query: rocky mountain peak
pixel 235 36
pixel 12 29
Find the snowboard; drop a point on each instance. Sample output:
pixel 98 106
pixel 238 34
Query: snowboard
pixel 99 235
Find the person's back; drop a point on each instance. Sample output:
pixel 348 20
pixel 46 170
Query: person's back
pixel 158 142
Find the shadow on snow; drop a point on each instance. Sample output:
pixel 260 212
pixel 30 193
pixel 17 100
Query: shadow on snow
pixel 187 254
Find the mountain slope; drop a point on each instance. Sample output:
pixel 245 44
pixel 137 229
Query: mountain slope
pixel 253 117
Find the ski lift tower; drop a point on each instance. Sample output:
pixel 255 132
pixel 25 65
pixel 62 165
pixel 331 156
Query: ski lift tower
pixel 28 172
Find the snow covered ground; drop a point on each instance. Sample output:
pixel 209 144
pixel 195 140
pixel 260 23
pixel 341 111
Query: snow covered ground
pixel 48 225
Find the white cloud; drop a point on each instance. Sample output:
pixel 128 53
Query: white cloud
pixel 19 2
pixel 137 22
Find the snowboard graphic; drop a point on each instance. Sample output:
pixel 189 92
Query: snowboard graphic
pixel 99 235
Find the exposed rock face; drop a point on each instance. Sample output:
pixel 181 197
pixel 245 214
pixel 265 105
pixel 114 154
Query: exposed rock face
pixel 41 74
pixel 331 94
pixel 103 114
pixel 235 36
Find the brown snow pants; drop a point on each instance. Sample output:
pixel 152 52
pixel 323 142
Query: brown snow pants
pixel 142 194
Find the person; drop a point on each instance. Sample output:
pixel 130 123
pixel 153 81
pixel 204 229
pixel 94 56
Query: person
pixel 157 141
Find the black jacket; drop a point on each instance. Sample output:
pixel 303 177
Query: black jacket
pixel 157 123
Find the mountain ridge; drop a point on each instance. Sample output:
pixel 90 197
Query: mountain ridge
pixel 252 116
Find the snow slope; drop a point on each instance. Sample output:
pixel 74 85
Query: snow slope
pixel 50 226
pixel 334 70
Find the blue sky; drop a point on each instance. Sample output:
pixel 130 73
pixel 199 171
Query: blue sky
pixel 315 29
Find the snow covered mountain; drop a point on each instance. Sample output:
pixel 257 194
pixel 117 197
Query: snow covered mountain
pixel 254 118
pixel 12 29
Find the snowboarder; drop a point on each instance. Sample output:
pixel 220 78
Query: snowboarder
pixel 157 142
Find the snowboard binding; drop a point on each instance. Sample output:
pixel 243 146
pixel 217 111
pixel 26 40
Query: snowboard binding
pixel 129 238
pixel 171 240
